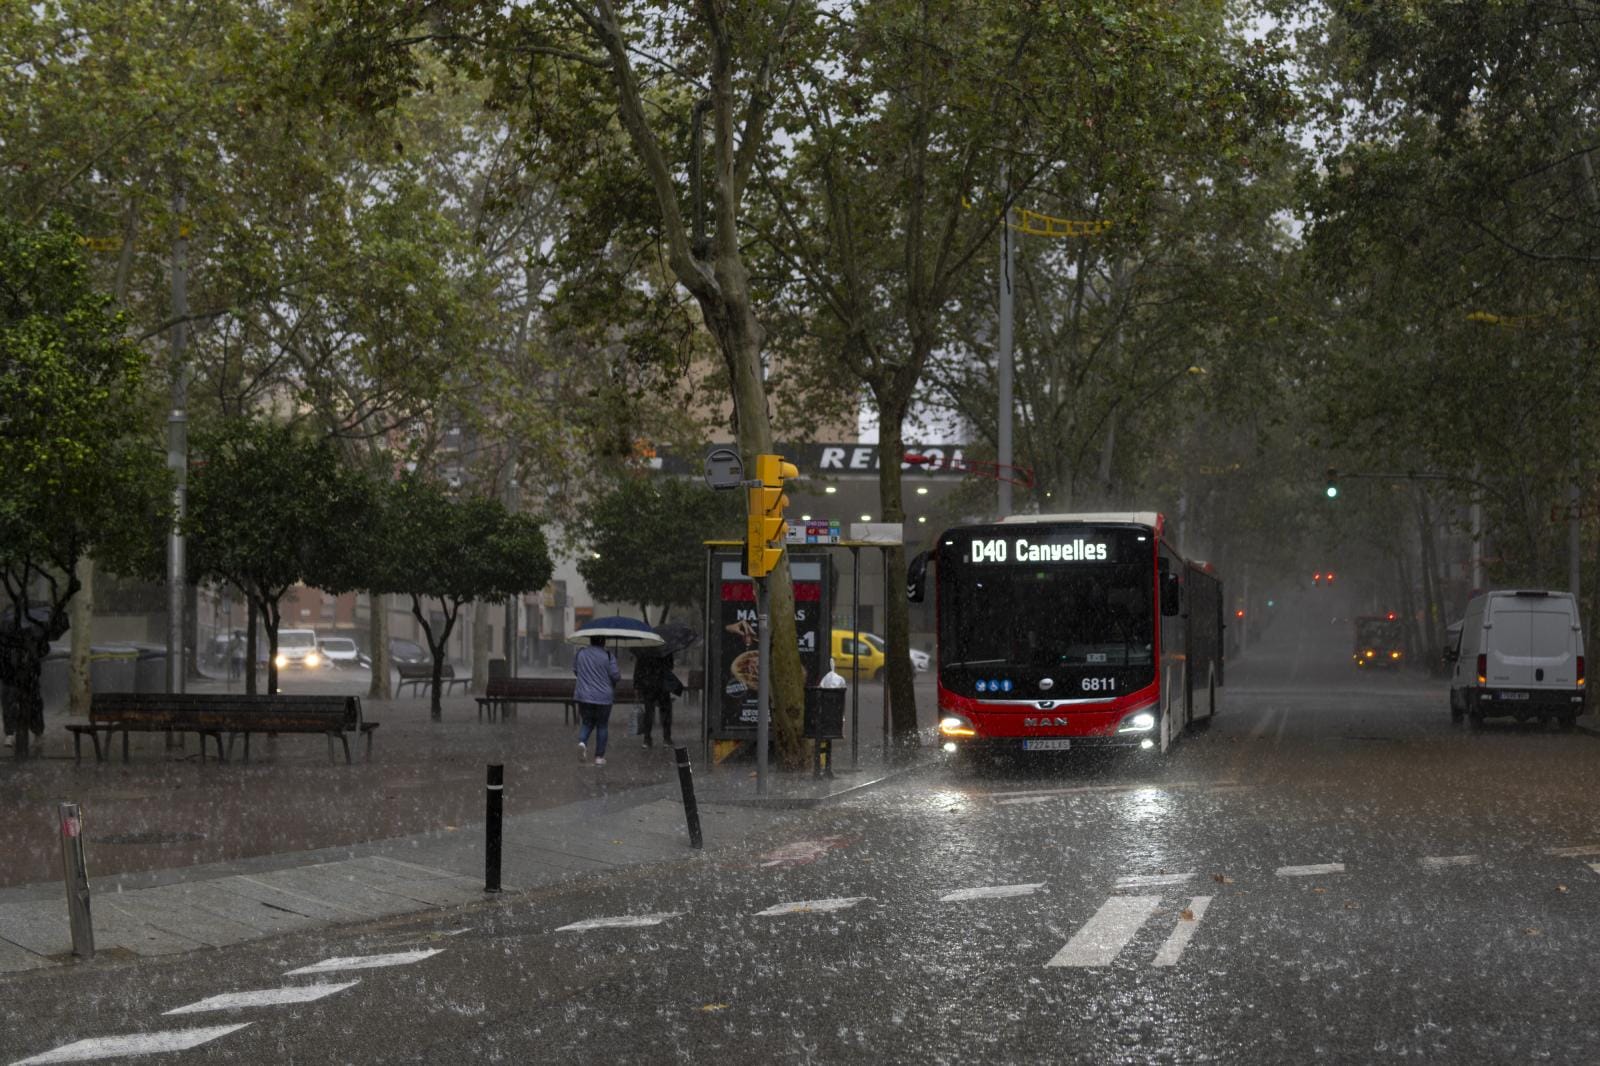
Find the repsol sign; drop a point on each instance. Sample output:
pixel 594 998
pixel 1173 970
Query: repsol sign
pixel 1022 550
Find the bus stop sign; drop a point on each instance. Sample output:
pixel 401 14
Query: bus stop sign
pixel 724 469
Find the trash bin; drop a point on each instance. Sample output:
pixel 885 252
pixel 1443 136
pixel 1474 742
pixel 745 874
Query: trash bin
pixel 824 723
pixel 824 714
pixel 150 669
pixel 111 667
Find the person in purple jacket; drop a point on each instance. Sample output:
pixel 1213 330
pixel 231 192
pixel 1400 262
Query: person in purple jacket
pixel 598 673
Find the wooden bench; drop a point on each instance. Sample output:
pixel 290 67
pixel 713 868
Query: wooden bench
pixel 213 714
pixel 420 676
pixel 504 693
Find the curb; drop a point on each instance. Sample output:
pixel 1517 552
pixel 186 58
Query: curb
pixel 917 764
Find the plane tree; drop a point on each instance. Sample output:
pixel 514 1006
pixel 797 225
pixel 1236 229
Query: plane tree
pixel 272 505
pixel 441 551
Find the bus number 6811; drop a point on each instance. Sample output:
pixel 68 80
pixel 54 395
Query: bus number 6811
pixel 1099 684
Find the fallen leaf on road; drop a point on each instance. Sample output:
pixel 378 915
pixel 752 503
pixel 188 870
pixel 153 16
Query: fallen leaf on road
pixel 1561 888
pixel 1222 879
pixel 1531 931
pixel 1351 905
pixel 1319 891
pixel 710 1007
pixel 1186 914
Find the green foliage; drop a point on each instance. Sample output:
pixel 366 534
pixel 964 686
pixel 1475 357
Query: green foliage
pixel 271 506
pixel 80 474
pixel 643 542
pixel 428 545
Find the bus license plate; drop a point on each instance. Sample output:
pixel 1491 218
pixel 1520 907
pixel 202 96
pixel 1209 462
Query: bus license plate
pixel 1047 744
pixel 1513 695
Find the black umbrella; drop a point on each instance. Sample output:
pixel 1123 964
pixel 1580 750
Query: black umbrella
pixel 674 638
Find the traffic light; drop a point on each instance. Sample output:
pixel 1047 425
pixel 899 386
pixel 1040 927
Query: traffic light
pixel 764 524
pixel 1333 483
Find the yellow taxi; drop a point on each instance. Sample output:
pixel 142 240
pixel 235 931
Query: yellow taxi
pixel 856 656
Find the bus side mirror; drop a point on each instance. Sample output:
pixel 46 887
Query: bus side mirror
pixel 917 577
pixel 1171 595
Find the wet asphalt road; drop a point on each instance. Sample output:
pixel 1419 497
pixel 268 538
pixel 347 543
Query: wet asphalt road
pixel 1332 871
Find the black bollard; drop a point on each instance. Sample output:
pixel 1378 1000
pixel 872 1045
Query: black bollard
pixel 690 810
pixel 491 829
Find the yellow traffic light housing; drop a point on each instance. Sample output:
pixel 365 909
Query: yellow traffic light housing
pixel 765 528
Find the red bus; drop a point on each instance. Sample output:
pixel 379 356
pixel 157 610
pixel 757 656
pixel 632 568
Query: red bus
pixel 1067 631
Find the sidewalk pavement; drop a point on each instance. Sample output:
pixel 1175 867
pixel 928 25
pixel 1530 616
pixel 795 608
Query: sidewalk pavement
pixel 563 819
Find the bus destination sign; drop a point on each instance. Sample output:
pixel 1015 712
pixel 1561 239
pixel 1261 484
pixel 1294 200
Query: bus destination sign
pixel 1022 550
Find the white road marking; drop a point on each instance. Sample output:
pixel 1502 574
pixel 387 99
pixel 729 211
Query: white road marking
pixel 1000 797
pixel 1152 880
pixel 808 906
pixel 365 962
pixel 801 851
pixel 991 892
pixel 1108 932
pixel 1311 871
pixel 1595 866
pixel 1023 799
pixel 1439 862
pixel 1582 849
pixel 266 997
pixel 621 921
pixel 1182 933
pixel 105 1047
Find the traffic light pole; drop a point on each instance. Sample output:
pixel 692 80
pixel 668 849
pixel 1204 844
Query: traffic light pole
pixel 764 686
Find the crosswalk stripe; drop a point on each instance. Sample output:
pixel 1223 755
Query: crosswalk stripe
pixel 365 962
pixel 1107 933
pixel 1581 849
pixel 1310 871
pixel 1438 862
pixel 991 892
pixel 810 906
pixel 621 921
pixel 1182 933
pixel 1153 880
pixel 265 997
pixel 105 1047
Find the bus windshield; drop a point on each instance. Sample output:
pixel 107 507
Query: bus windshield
pixel 1097 615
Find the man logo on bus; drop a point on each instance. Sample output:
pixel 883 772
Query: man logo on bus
pixel 998 550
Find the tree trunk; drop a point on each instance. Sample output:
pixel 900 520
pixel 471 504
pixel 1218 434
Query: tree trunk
pixel 436 648
pixel 734 324
pixel 378 629
pixel 252 644
pixel 272 619
pixel 27 704
pixel 78 688
pixel 897 622
pixel 480 645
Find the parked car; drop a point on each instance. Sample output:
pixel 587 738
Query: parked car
pixel 298 648
pixel 340 651
pixel 865 654
pixel 1519 653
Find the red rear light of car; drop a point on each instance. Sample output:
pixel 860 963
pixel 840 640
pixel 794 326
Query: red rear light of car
pixel 1483 669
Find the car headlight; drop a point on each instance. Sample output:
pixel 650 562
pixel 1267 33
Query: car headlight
pixel 312 658
pixel 280 661
pixel 953 725
pixel 1137 722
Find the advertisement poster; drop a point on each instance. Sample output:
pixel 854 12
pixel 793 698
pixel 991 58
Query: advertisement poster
pixel 736 664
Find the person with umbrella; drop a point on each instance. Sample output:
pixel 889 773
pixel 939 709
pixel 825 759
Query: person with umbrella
pixel 655 682
pixel 597 675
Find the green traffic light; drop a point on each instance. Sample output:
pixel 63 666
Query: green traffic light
pixel 1333 490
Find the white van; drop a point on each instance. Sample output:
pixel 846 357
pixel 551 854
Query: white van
pixel 298 647
pixel 1519 653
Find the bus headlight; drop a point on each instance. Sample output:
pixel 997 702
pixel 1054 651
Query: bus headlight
pixel 953 725
pixel 1137 722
